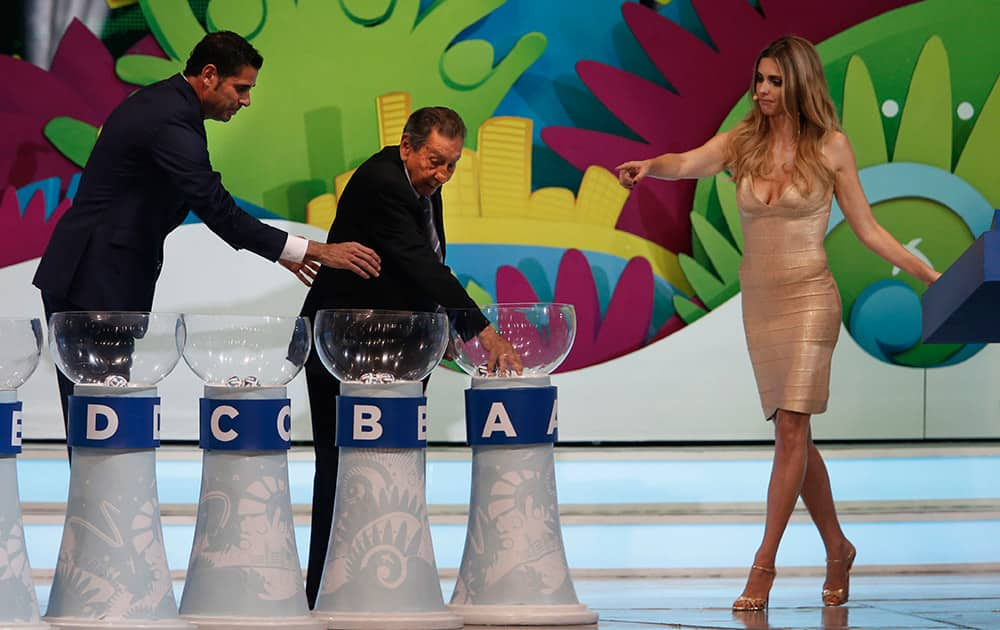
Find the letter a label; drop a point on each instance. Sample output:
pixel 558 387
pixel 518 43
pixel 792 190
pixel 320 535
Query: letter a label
pixel 554 418
pixel 498 420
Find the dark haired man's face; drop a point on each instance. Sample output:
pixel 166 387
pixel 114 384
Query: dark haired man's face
pixel 431 166
pixel 226 95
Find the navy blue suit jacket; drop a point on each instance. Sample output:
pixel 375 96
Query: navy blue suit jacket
pixel 149 167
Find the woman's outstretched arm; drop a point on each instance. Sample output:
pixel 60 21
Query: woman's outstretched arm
pixel 858 212
pixel 705 161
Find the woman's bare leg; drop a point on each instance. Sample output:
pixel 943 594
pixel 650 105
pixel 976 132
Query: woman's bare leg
pixel 818 497
pixel 788 473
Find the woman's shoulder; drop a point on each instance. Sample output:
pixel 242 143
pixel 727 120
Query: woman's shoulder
pixel 836 141
pixel 837 149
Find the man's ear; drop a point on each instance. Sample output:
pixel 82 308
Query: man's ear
pixel 210 75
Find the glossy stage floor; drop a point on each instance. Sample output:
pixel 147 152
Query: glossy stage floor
pixel 898 601
pixel 662 537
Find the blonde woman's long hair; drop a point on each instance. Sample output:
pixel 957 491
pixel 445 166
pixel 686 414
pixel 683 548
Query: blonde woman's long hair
pixel 806 99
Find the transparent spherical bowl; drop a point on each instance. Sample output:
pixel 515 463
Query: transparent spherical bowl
pixel 374 346
pixel 20 348
pixel 541 333
pixel 116 349
pixel 246 350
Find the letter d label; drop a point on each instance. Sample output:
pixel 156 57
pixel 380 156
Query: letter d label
pixel 110 419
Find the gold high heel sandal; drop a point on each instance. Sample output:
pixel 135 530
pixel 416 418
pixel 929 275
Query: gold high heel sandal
pixel 838 596
pixel 744 603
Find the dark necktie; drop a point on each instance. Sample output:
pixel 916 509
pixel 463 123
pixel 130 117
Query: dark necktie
pixel 431 229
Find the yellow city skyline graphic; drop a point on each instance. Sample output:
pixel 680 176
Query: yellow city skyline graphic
pixel 489 199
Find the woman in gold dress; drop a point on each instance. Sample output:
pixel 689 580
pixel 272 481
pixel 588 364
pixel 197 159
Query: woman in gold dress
pixel 788 158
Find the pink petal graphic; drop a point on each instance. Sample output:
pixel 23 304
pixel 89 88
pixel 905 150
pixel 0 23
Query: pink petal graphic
pixel 25 237
pixel 25 155
pixel 512 286
pixel 583 148
pixel 29 89
pixel 669 327
pixel 83 85
pixel 658 210
pixel 661 209
pixel 708 81
pixel 84 63
pixel 626 321
pixel 575 285
pixel 622 329
pixel 644 106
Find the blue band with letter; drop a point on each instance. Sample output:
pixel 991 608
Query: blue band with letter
pixel 516 415
pixel 114 421
pixel 246 424
pixel 10 428
pixel 370 422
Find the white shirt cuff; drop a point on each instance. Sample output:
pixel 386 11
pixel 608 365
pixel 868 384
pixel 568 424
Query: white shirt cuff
pixel 295 249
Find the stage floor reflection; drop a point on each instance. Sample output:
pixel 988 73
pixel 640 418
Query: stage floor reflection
pixel 896 601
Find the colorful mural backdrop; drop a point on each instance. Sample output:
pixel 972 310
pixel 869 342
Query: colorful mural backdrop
pixel 555 95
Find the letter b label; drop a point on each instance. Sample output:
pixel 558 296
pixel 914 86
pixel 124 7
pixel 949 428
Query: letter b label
pixel 381 422
pixel 367 425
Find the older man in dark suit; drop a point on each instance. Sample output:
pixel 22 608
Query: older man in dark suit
pixel 149 167
pixel 393 205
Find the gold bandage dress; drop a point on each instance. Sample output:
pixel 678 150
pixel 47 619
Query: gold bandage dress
pixel 791 305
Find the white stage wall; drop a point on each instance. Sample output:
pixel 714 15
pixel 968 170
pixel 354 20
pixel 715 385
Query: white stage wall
pixel 696 384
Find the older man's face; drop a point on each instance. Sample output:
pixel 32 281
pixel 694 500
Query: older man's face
pixel 433 164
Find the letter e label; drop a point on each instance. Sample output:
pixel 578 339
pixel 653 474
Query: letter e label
pixel 422 422
pixel 15 429
pixel 156 422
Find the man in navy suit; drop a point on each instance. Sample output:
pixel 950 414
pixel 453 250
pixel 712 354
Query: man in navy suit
pixel 393 205
pixel 150 165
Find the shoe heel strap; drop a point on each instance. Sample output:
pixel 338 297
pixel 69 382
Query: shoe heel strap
pixel 849 558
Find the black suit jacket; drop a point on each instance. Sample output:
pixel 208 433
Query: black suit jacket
pixel 149 166
pixel 380 209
